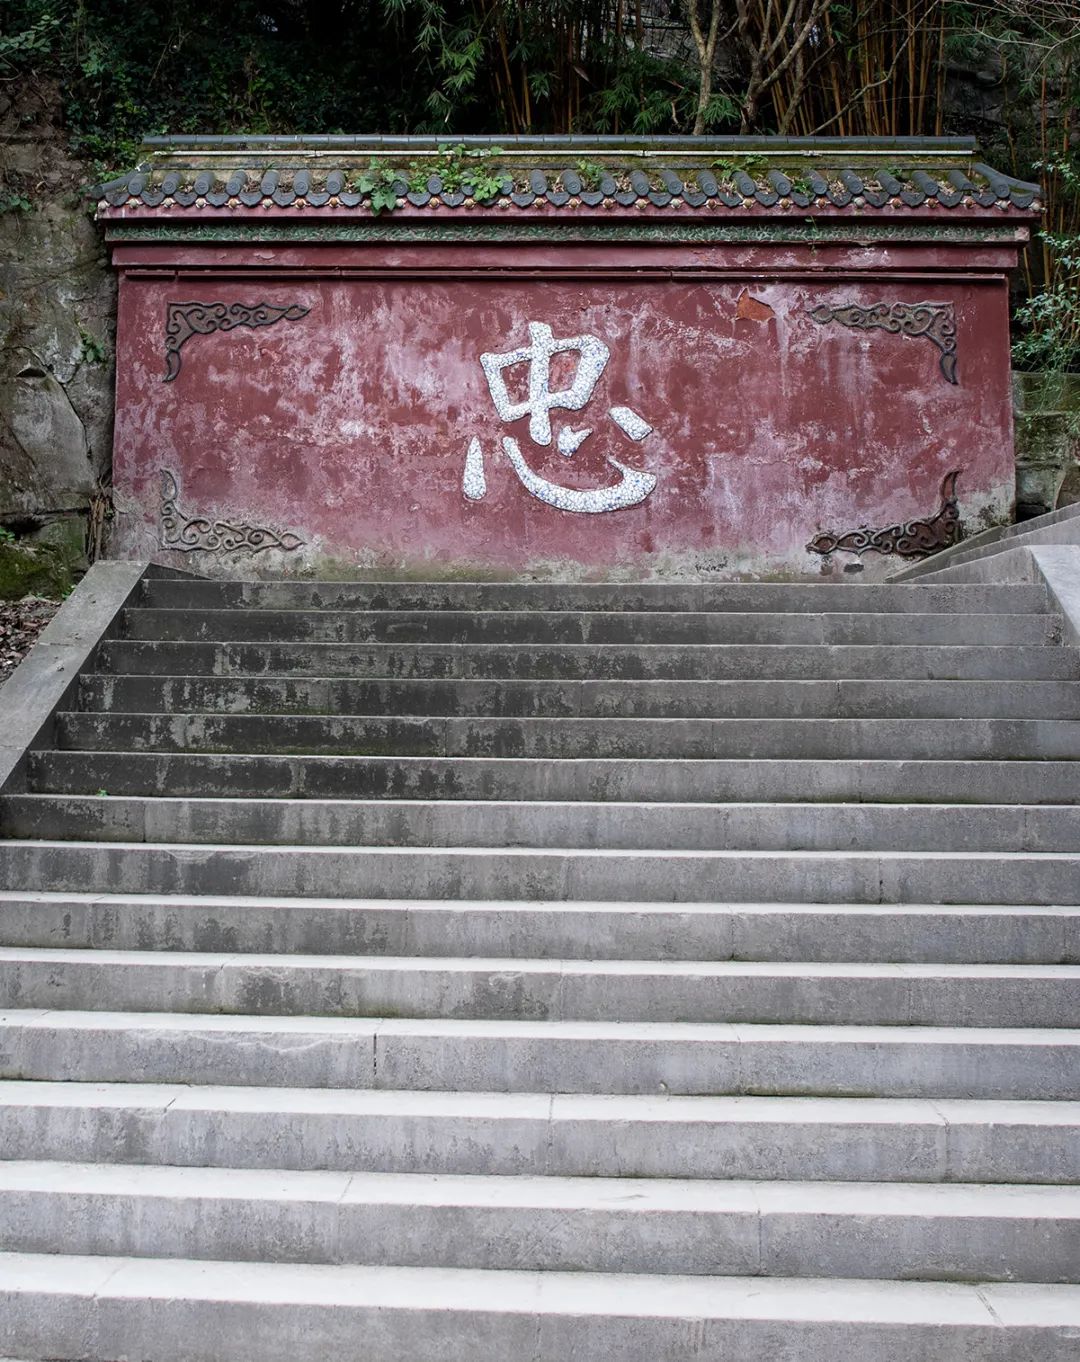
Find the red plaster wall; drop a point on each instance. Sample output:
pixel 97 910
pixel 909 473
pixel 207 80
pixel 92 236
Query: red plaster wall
pixel 350 426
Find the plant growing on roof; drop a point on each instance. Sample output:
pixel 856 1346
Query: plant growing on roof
pixel 461 169
pixel 381 184
pixel 590 174
pixel 754 166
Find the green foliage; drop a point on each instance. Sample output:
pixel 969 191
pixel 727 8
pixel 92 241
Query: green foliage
pixel 644 94
pixel 460 169
pixel 29 45
pixel 754 166
pixel 471 170
pixel 6 536
pixel 14 201
pixel 193 66
pixel 381 182
pixel 1048 322
pixel 91 350
pixel 591 174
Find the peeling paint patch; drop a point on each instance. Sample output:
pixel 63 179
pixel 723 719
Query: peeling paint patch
pixel 750 309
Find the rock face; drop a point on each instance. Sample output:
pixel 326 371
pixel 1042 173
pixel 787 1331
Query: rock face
pixel 57 320
pixel 1047 408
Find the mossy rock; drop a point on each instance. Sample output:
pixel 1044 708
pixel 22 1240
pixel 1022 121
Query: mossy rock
pixel 33 570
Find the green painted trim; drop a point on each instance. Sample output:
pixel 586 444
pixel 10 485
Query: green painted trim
pixel 665 233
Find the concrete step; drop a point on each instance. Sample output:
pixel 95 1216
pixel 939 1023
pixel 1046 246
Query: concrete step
pixel 562 874
pixel 433 823
pixel 599 699
pixel 610 931
pixel 562 1135
pixel 191 775
pixel 475 736
pixel 697 1227
pixel 179 1310
pixel 785 993
pixel 592 627
pixel 994 660
pixel 204 594
pixel 692 1059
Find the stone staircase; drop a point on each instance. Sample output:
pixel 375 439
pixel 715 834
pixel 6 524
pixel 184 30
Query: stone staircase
pixel 473 973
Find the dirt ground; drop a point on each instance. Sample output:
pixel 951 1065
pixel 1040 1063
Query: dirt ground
pixel 20 624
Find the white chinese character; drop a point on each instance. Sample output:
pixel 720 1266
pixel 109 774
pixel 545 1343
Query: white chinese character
pixel 633 486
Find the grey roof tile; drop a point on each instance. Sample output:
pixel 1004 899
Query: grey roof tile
pixel 890 183
pixel 656 186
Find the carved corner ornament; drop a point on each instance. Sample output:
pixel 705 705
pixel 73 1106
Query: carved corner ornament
pixel 910 539
pixel 935 322
pixel 184 320
pixel 196 533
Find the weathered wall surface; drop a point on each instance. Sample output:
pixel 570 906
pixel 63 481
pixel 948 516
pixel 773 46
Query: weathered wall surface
pixel 57 321
pixel 339 432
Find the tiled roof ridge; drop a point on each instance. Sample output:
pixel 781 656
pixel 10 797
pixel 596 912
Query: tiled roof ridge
pixel 724 184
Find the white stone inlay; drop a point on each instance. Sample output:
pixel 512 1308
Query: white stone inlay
pixel 538 354
pixel 632 487
pixel 630 423
pixel 474 480
pixel 568 440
